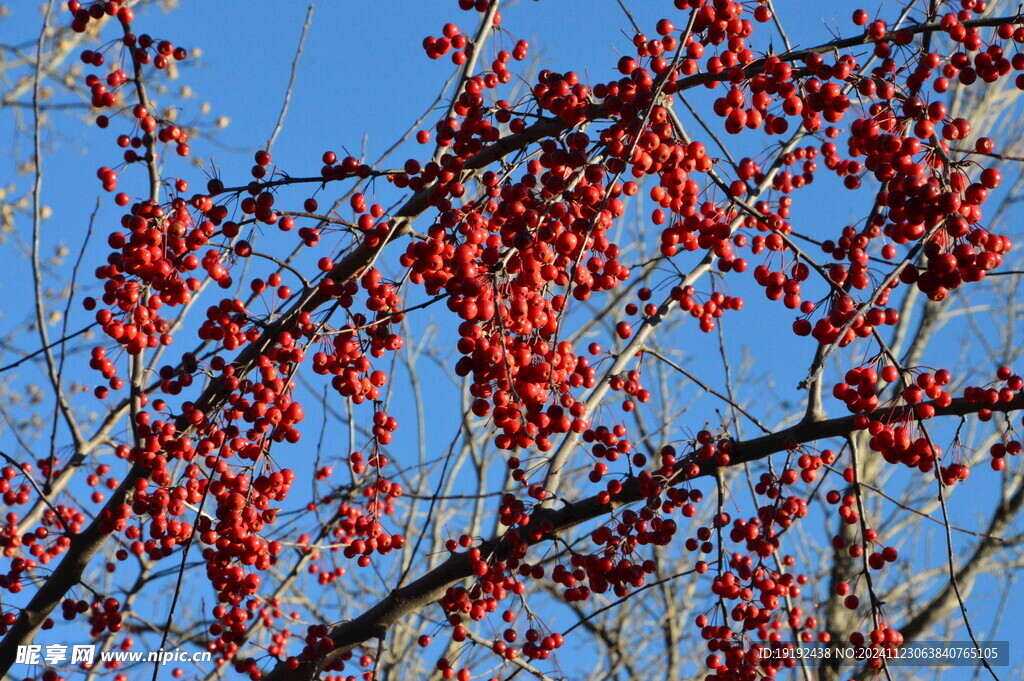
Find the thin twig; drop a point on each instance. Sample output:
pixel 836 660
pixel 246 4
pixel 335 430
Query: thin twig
pixel 291 79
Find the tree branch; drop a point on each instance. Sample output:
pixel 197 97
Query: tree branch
pixel 548 524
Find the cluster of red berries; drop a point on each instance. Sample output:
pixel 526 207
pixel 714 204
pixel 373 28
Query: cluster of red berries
pixel 95 11
pixel 862 385
pixel 992 395
pixel 452 39
pixel 510 263
pixel 759 593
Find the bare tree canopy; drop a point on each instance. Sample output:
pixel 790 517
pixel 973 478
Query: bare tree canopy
pixel 460 339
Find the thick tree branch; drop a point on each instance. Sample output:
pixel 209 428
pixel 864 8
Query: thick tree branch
pixel 548 524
